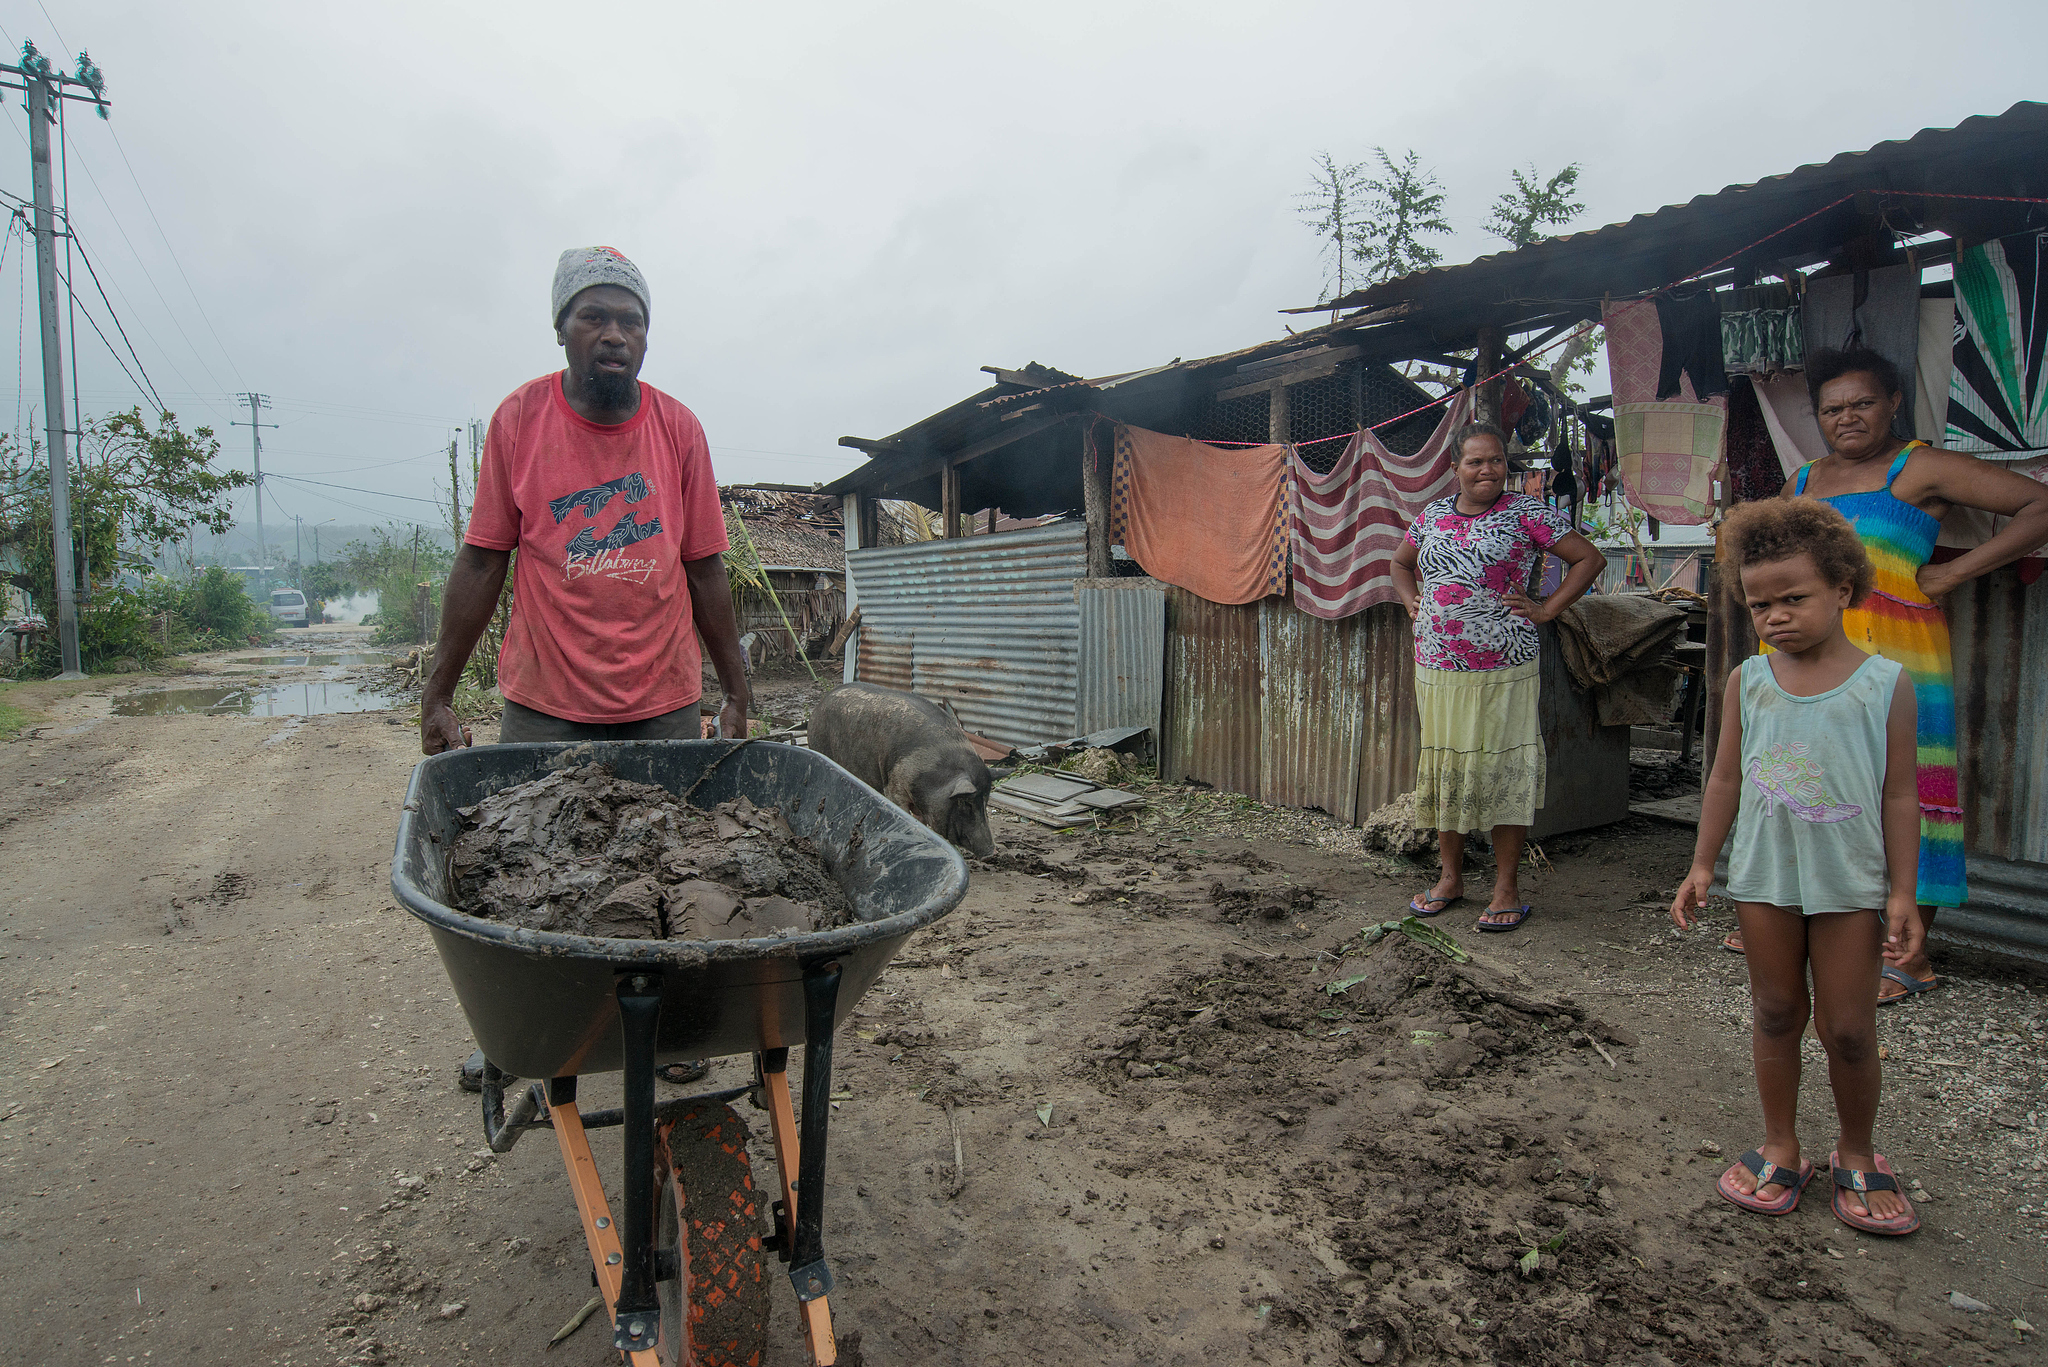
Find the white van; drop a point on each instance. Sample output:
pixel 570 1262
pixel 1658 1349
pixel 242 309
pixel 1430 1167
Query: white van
pixel 288 606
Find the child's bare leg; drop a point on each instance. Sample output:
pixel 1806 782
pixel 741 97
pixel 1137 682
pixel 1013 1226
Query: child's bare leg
pixel 1775 941
pixel 1846 951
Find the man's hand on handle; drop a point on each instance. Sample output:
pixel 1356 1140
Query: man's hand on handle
pixel 440 728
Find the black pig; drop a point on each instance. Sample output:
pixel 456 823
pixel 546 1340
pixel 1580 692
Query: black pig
pixel 913 753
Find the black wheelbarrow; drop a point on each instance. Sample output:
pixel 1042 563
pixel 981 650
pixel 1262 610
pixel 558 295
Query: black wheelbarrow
pixel 682 1273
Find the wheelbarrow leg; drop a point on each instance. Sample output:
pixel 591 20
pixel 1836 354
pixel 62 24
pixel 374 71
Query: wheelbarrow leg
pixel 637 1315
pixel 800 1161
pixel 607 1258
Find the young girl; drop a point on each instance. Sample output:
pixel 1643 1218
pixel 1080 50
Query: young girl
pixel 1816 773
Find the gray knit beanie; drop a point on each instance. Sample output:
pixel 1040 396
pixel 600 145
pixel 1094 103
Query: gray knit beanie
pixel 582 267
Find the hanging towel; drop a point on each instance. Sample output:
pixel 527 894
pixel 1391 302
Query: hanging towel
pixel 1888 322
pixel 1998 391
pixel 1788 412
pixel 1932 368
pixel 1669 450
pixel 1209 519
pixel 1347 524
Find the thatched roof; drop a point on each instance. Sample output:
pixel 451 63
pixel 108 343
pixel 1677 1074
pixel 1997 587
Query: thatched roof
pixel 790 526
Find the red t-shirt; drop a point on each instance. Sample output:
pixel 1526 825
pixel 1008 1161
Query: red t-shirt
pixel 604 518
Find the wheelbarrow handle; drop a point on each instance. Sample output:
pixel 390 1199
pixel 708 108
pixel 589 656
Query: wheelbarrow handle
pixel 502 1128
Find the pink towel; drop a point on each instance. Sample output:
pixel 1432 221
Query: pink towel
pixel 1669 450
pixel 1348 523
pixel 1208 519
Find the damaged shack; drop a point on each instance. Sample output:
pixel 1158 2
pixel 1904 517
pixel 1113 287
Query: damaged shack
pixel 1270 662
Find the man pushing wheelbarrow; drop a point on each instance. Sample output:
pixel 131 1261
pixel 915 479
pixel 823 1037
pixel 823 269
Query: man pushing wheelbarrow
pixel 603 486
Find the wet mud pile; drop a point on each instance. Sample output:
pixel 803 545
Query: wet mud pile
pixel 1470 1165
pixel 585 852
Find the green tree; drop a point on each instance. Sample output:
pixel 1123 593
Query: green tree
pixel 1521 215
pixel 1403 205
pixel 1334 209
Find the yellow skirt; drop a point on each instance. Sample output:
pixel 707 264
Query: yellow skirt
pixel 1482 762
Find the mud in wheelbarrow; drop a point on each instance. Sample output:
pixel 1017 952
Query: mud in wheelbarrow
pixel 551 1006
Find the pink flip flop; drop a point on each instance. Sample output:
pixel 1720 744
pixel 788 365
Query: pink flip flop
pixel 1884 1179
pixel 1767 1174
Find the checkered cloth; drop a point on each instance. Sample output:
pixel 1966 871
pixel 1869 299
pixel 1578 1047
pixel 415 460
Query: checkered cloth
pixel 1670 450
pixel 1210 519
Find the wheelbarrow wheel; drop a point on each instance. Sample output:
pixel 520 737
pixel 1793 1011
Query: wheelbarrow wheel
pixel 709 1213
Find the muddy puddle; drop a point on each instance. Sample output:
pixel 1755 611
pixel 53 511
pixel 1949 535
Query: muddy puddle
pixel 351 660
pixel 314 699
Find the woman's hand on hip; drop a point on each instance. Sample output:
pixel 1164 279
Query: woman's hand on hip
pixel 1936 581
pixel 1527 608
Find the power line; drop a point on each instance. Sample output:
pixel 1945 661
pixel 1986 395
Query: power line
pixel 374 493
pixel 161 406
pixel 151 209
pixel 110 351
pixel 119 227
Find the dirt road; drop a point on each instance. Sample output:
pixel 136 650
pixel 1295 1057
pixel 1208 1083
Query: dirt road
pixel 231 1131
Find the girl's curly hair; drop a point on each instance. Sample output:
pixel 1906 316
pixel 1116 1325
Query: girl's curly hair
pixel 1774 529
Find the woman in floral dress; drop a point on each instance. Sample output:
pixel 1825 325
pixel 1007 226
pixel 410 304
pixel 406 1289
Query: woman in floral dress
pixel 1482 761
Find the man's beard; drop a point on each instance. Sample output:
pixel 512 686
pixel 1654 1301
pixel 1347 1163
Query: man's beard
pixel 609 390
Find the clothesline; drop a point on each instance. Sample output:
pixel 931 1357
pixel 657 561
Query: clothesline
pixel 1643 299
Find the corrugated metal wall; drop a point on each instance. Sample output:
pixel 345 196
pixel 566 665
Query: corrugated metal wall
pixel 1212 693
pixel 988 623
pixel 1122 668
pixel 1393 733
pixel 1998 628
pixel 1265 700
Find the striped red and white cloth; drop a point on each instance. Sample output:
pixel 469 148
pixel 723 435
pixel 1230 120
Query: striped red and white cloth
pixel 1348 523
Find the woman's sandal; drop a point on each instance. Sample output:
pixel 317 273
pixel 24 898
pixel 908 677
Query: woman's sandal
pixel 1913 986
pixel 1423 905
pixel 1884 1179
pixel 1732 942
pixel 1767 1174
pixel 1521 914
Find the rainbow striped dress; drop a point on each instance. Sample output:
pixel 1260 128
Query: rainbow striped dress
pixel 1902 624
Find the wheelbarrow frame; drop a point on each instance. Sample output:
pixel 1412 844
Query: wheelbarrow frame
pixel 555 1006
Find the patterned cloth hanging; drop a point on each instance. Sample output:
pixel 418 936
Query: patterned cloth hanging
pixel 1668 450
pixel 1347 523
pixel 1998 391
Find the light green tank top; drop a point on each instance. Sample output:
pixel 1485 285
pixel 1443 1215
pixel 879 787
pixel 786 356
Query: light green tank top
pixel 1809 832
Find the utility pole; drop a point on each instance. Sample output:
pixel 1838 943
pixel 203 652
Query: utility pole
pixel 298 548
pixel 44 86
pixel 454 495
pixel 257 403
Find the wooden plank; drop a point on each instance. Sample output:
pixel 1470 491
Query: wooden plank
pixel 1095 499
pixel 949 502
pixel 1279 419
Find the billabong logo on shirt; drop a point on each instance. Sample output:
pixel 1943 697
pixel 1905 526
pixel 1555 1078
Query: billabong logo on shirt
pixel 594 499
pixel 588 553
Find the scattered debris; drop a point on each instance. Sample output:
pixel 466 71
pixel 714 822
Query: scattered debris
pixel 1062 800
pixel 1969 1304
pixel 1392 829
pixel 590 1307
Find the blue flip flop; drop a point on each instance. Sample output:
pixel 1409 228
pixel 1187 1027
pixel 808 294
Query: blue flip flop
pixel 1522 914
pixel 1431 906
pixel 1914 986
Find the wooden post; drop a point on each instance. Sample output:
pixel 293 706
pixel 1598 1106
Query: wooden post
pixel 1279 415
pixel 1095 501
pixel 856 513
pixel 949 501
pixel 1491 343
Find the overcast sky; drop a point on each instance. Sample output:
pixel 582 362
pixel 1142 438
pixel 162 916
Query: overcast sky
pixel 843 210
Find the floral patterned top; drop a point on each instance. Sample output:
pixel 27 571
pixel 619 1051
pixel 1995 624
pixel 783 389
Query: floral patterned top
pixel 1466 565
